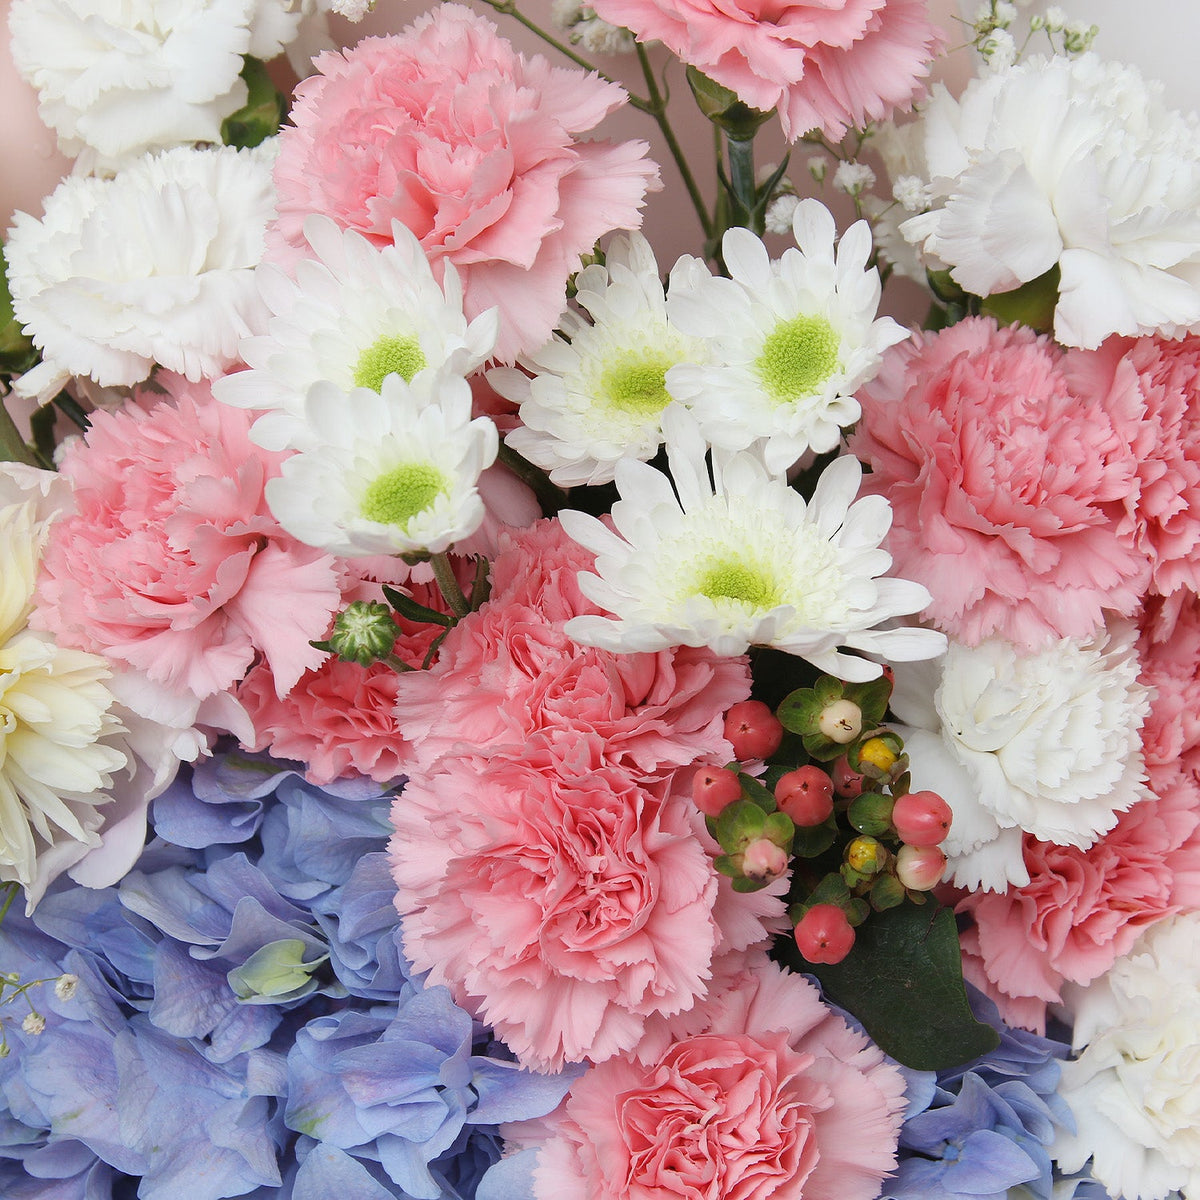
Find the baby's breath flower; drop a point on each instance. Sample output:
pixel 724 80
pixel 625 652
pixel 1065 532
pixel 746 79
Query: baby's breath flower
pixel 911 193
pixel 1055 19
pixel 999 50
pixel 65 985
pixel 818 165
pixel 1078 37
pixel 34 1023
pixel 853 178
pixel 780 211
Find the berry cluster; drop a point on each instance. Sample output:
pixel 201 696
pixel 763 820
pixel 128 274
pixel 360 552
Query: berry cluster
pixel 857 839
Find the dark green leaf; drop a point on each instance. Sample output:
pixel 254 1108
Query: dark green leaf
pixel 903 981
pixel 815 839
pixel 406 606
pixel 263 112
pixel 754 791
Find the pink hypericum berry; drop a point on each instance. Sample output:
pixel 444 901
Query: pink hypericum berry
pixel 920 867
pixel 921 818
pixel 753 730
pixel 847 783
pixel 763 861
pixel 824 934
pixel 714 789
pixel 806 795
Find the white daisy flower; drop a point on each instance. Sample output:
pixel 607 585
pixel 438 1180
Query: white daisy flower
pixel 153 265
pixel 1046 743
pixel 790 340
pixel 1074 163
pixel 601 395
pixel 351 316
pixel 392 471
pixel 745 562
pixel 118 78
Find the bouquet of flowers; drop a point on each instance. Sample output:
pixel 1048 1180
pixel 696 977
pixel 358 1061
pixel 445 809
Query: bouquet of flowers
pixel 487 713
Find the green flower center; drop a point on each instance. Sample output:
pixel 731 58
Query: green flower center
pixel 638 386
pixel 398 496
pixel 732 579
pixel 401 356
pixel 797 357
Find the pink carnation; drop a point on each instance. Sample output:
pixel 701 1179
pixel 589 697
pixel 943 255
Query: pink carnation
pixel 473 147
pixel 1171 666
pixel 778 1099
pixel 561 902
pixel 508 672
pixel 172 562
pixel 1012 492
pixel 827 66
pixel 1164 377
pixel 339 719
pixel 1082 909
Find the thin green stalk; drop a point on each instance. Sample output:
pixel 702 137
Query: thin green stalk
pixel 509 9
pixel 443 572
pixel 549 495
pixel 12 445
pixel 741 179
pixel 657 108
pixel 12 889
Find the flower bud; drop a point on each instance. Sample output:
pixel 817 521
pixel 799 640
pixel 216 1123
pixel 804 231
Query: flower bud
pixel 866 855
pixel 877 753
pixel 922 818
pixel 920 867
pixel 714 789
pixel 753 730
pixel 824 934
pixel 363 632
pixel 763 861
pixel 841 721
pixel 847 782
pixel 806 795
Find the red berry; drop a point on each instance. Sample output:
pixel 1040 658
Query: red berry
pixel 824 935
pixel 889 674
pixel 806 795
pixel 714 789
pixel 763 861
pixel 753 730
pixel 920 867
pixel 847 783
pixel 921 818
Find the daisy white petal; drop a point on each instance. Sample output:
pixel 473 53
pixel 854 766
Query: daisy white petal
pixel 387 472
pixel 790 340
pixel 737 562
pixel 600 396
pixel 352 315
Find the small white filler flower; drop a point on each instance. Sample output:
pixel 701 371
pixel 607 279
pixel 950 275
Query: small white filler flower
pixel 790 340
pixel 601 394
pixel 387 472
pixel 352 315
pixel 745 561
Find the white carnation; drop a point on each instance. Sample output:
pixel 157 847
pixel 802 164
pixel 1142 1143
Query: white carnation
pixel 1046 743
pixel 120 77
pixel 1133 1089
pixel 1073 163
pixel 153 265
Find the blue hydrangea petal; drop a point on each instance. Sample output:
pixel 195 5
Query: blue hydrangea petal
pixel 509 1179
pixel 508 1093
pixel 328 1172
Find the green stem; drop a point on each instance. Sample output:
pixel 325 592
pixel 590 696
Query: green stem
pixel 549 495
pixel 741 179
pixel 11 888
pixel 509 9
pixel 397 663
pixel 657 108
pixel 443 572
pixel 13 449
